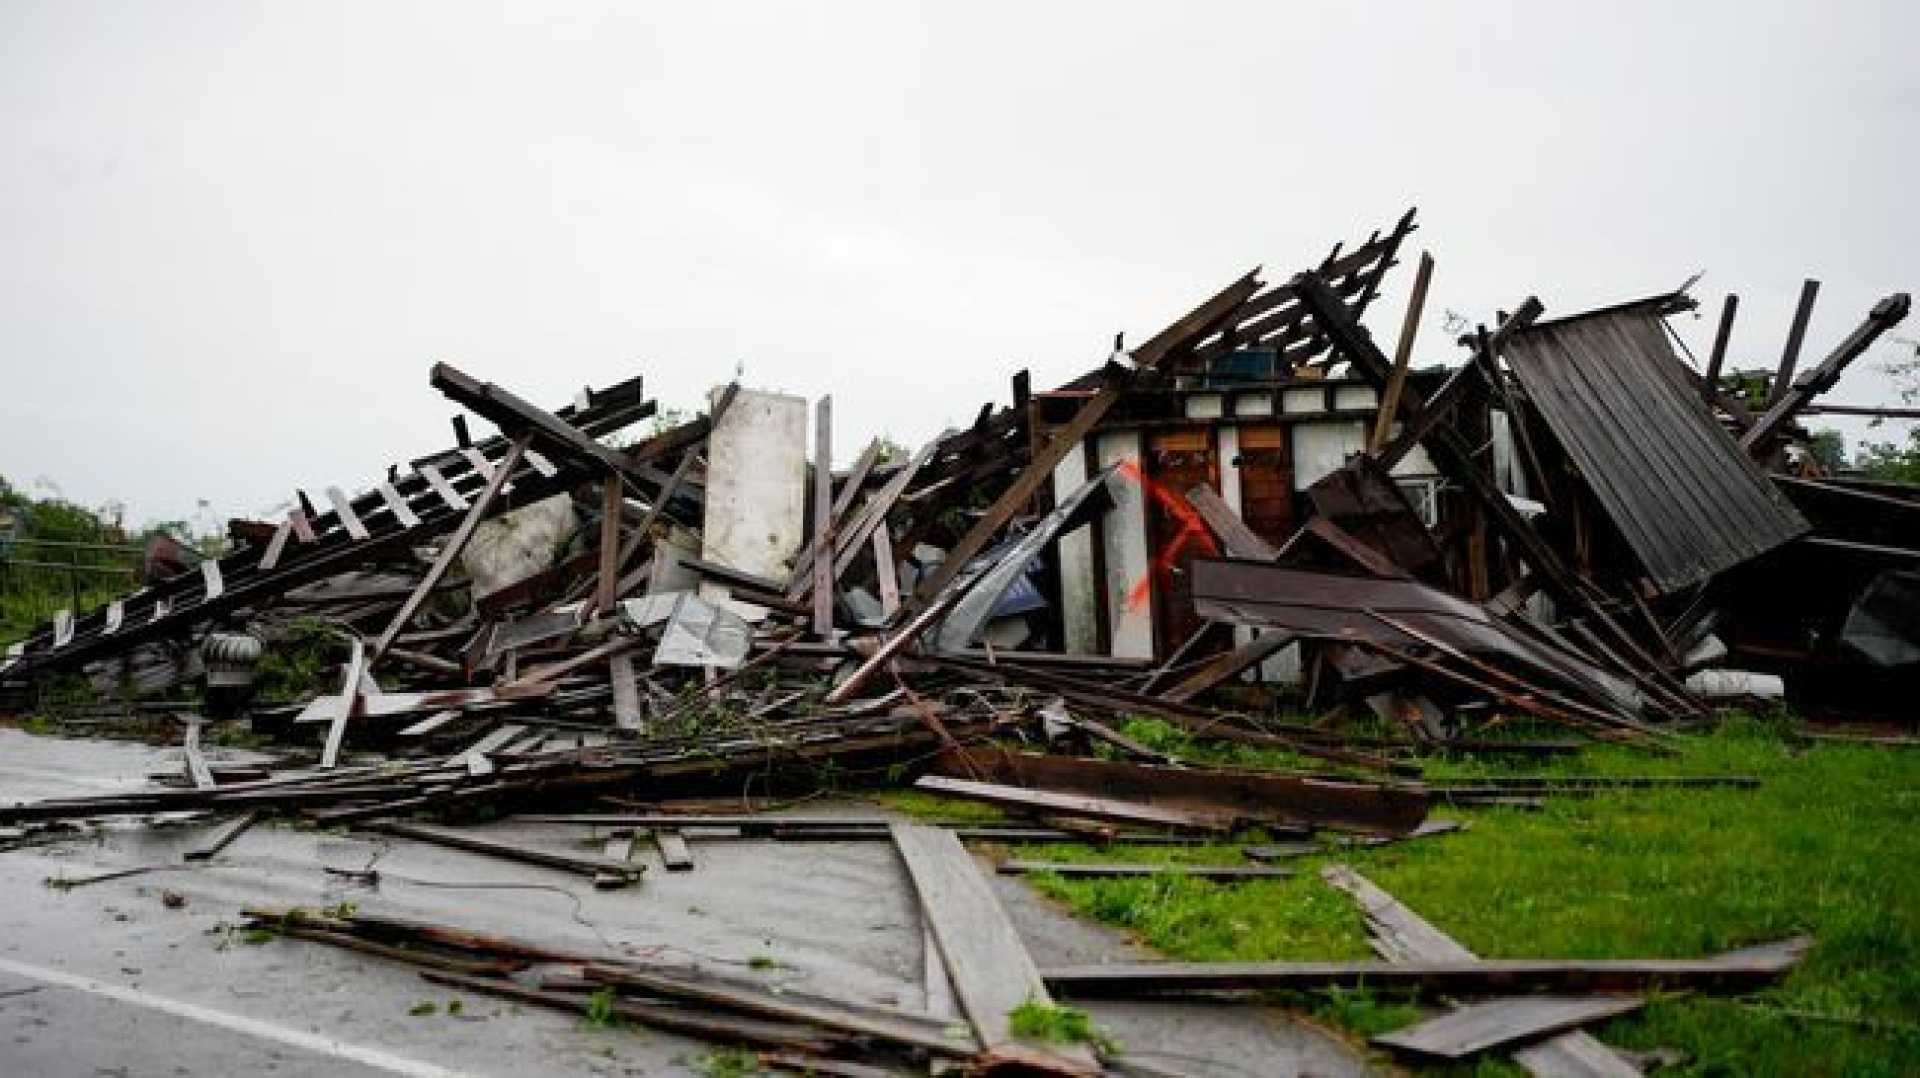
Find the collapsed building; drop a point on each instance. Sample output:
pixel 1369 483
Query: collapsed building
pixel 1254 513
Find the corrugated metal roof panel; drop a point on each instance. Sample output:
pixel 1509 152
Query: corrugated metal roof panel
pixel 1682 493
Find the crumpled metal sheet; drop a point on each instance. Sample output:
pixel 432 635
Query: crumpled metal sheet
pixel 696 632
pixel 983 599
pixel 1337 606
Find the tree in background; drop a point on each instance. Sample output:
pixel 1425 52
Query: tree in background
pixel 1829 449
pixel 1898 461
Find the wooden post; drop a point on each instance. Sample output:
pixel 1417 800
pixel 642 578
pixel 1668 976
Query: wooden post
pixel 1402 355
pixel 1718 358
pixel 1790 356
pixel 611 504
pixel 885 570
pixel 823 518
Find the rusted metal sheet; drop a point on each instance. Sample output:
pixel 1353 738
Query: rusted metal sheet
pixel 1335 605
pixel 1687 501
pixel 1389 807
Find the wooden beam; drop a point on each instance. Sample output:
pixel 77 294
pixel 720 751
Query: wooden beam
pixel 1886 314
pixel 514 415
pixel 1227 664
pixel 1738 971
pixel 1491 1024
pixel 884 654
pixel 886 572
pixel 612 502
pixel 349 704
pixel 1110 870
pixel 603 871
pixel 823 589
pixel 1350 547
pixel 1239 540
pixel 1402 355
pixel 1717 359
pixel 1097 808
pixel 991 971
pixel 224 837
pixel 674 852
pixel 197 770
pixel 1790 354
pixel 450 550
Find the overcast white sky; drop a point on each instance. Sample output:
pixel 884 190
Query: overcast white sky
pixel 234 236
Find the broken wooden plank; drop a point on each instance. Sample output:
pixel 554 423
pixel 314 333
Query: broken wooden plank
pixel 674 852
pixel 992 973
pixel 1733 972
pixel 884 654
pixel 823 591
pixel 343 509
pixel 449 497
pixel 1226 525
pixel 604 872
pixel 398 506
pixel 725 1028
pixel 1716 359
pixel 1481 1027
pixel 1380 808
pixel 450 550
pixel 893 1027
pixel 1796 335
pixel 212 584
pixel 886 572
pixel 493 740
pixel 224 837
pixel 1400 934
pixel 1402 355
pixel 275 546
pixel 197 770
pixel 626 692
pixel 1109 870
pixel 1097 808
pixel 1228 664
pixel 348 707
pixel 611 504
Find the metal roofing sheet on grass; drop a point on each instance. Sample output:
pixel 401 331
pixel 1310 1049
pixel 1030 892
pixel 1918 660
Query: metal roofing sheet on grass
pixel 1688 501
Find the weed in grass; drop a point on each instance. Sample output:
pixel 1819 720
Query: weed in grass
pixel 728 1063
pixel 925 806
pixel 600 1013
pixel 1048 1023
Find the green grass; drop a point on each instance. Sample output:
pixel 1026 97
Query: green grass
pixel 1049 1023
pixel 925 806
pixel 1827 846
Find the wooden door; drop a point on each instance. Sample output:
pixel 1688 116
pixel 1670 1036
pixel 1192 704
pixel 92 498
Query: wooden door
pixel 1266 483
pixel 1177 461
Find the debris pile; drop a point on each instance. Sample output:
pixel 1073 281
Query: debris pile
pixel 1254 513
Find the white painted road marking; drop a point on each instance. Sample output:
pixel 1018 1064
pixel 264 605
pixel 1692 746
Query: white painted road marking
pixel 312 1042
